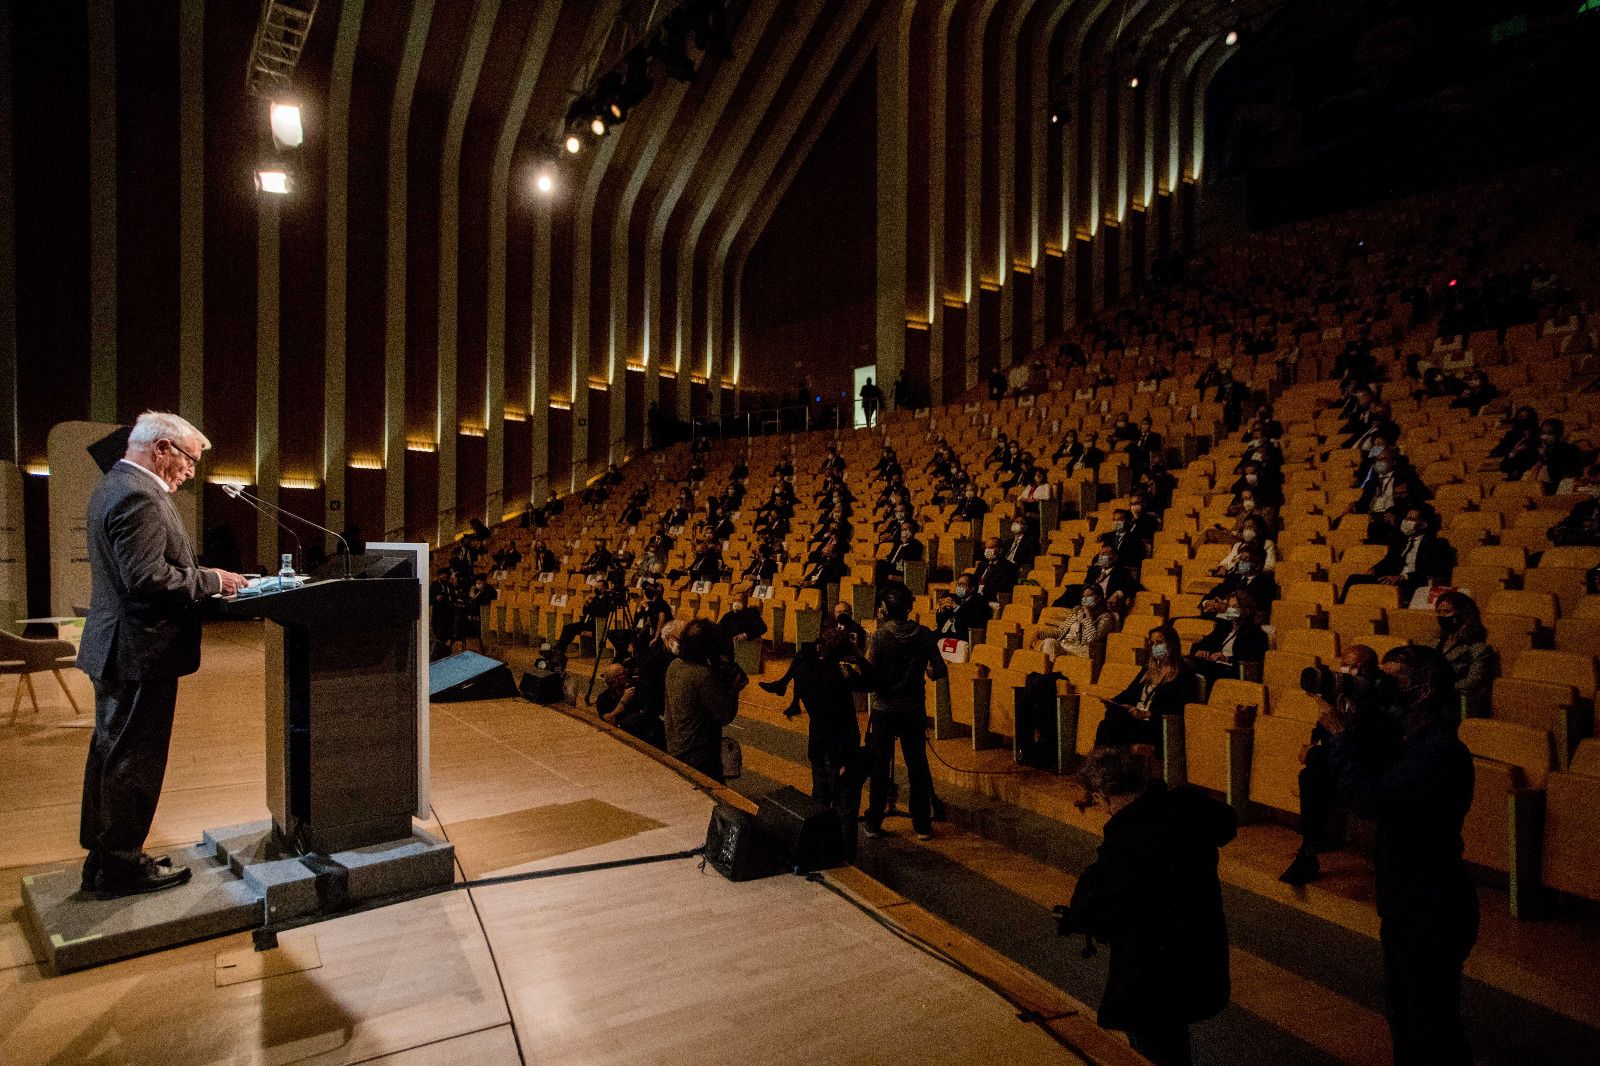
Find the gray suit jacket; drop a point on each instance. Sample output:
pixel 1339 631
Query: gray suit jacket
pixel 144 603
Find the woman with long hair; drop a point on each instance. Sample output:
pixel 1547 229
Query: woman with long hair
pixel 1464 642
pixel 1235 640
pixel 1162 687
pixel 1082 632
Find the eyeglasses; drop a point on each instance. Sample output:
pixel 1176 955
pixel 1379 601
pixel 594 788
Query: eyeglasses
pixel 194 460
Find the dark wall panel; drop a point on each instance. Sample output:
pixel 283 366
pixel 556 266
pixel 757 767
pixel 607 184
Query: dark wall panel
pixel 147 221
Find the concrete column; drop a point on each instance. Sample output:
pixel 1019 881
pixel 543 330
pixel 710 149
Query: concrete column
pixel 478 33
pixel 102 22
pixel 267 464
pixel 394 341
pixel 894 72
pixel 191 221
pixel 337 254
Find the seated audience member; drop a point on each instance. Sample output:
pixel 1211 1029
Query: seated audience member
pixel 1244 507
pixel 599 560
pixel 469 612
pixel 742 621
pixel 702 696
pixel 763 566
pixel 1156 484
pixel 544 560
pixel 1522 432
pixel 1082 633
pixel 1144 522
pixel 597 607
pixel 1003 446
pixel 1465 644
pixel 972 507
pixel 1251 529
pixel 1581 527
pixel 1236 642
pixel 829 569
pixel 707 565
pixel 1249 575
pixel 844 620
pixel 1092 455
pixel 1145 446
pixel 1161 688
pixel 1123 540
pixel 1265 486
pixel 1357 681
pixel 892 567
pixel 1476 394
pixel 1417 557
pixel 1123 432
pixel 1035 492
pixel 1020 548
pixel 992 575
pixel 1118 584
pixel 961 610
pixel 1390 490
pixel 1553 461
pixel 1069 450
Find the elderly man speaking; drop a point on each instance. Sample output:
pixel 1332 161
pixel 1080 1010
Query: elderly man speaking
pixel 141 635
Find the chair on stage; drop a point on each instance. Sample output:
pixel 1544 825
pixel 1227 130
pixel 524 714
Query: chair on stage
pixel 25 657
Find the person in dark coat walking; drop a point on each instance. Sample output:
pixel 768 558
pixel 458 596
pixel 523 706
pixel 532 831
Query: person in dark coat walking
pixel 1153 895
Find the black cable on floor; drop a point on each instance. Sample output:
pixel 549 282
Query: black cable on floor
pixel 981 773
pixel 935 952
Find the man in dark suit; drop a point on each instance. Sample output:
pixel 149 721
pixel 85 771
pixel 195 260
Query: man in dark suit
pixel 992 575
pixel 142 634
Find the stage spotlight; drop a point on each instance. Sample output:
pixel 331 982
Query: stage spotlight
pixel 274 180
pixel 1232 38
pixel 609 95
pixel 598 126
pixel 1133 82
pixel 574 145
pixel 545 181
pixel 1060 115
pixel 287 132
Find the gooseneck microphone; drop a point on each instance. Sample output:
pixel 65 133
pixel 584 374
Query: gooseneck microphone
pixel 298 547
pixel 272 511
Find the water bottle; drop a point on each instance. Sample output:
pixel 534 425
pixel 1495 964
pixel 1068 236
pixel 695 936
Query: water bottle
pixel 286 573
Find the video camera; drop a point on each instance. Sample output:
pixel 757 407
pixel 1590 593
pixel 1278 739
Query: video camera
pixel 1066 928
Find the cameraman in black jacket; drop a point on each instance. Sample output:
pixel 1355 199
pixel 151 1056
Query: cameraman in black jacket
pixel 1153 895
pixel 1419 790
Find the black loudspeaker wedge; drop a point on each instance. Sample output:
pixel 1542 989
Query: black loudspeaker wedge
pixel 808 831
pixel 738 848
pixel 542 686
pixel 469 677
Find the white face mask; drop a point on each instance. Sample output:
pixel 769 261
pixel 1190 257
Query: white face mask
pixel 989 553
pixel 1119 526
pixel 1248 505
pixel 1248 535
pixel 1408 527
pixel 1158 651
pixel 1016 527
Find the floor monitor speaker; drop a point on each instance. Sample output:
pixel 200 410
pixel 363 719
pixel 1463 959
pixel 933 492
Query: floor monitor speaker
pixel 808 831
pixel 469 676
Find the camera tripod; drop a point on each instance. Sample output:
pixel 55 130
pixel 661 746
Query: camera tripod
pixel 604 625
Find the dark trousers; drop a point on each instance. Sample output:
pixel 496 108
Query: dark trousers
pixel 1166 1044
pixel 1422 960
pixel 837 772
pixel 882 732
pixel 126 765
pixel 572 630
pixel 1318 793
pixel 1119 729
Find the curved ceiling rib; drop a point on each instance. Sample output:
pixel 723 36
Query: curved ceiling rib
pixel 481 28
pixel 335 255
pixel 731 144
pixel 757 175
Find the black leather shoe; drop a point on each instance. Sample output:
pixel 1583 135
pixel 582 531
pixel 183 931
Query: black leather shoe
pixel 774 687
pixel 129 879
pixel 1302 871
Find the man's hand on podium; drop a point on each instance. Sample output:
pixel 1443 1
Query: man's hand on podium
pixel 231 582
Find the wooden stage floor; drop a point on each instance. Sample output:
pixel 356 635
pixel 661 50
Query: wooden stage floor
pixel 656 963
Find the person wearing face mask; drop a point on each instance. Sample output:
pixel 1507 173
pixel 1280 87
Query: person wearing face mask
pixel 1418 789
pixel 1390 489
pixel 1161 688
pixel 1476 394
pixel 1556 459
pixel 742 621
pixel 1522 430
pixel 1417 558
pixel 993 575
pixel 1264 486
pixel 1464 643
pixel 1117 584
pixel 1236 641
pixel 961 610
pixel 1249 576
pixel 1356 680
pixel 1143 521
pixel 1033 493
pixel 892 567
pixel 971 509
pixel 1148 443
pixel 1021 546
pixel 1092 455
pixel 1082 633
pixel 1252 531
pixel 1124 541
pixel 1069 450
pixel 1581 527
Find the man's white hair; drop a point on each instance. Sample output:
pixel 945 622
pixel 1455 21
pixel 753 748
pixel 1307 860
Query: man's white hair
pixel 163 425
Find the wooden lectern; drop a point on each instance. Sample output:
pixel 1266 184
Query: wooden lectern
pixel 341 703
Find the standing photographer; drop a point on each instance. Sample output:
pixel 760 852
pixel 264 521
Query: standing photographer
pixel 702 696
pixel 1419 790
pixel 1153 895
